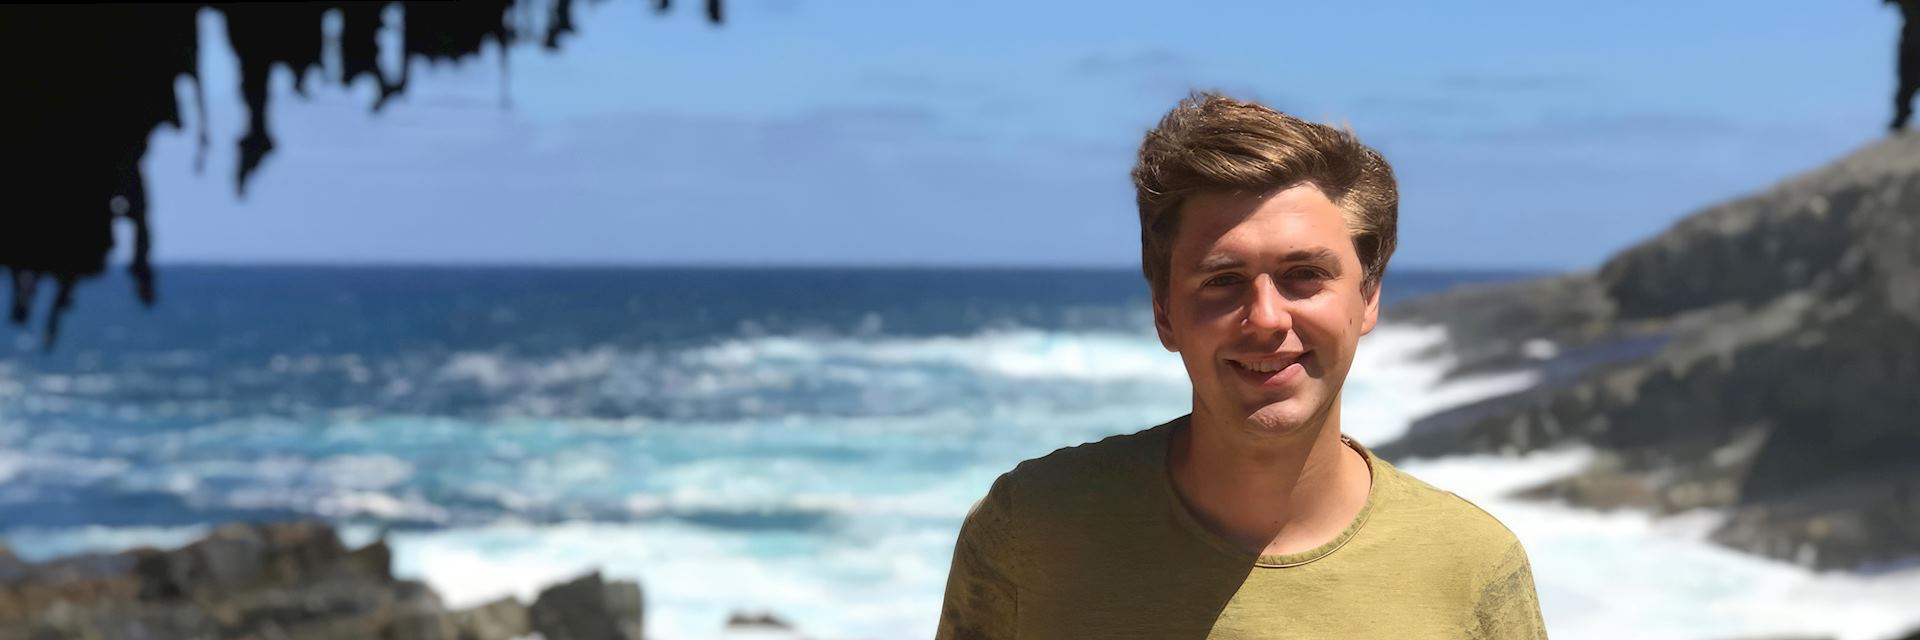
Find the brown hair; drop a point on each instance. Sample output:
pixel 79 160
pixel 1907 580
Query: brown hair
pixel 1210 142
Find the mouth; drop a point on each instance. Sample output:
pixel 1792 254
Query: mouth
pixel 1271 370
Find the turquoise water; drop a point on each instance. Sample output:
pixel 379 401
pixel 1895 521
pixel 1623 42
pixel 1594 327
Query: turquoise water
pixel 435 397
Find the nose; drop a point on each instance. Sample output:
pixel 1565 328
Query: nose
pixel 1268 310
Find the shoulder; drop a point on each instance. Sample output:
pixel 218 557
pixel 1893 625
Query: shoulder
pixel 1474 535
pixel 1088 482
pixel 1131 457
pixel 1479 553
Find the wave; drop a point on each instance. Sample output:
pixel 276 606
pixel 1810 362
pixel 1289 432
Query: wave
pixel 1019 354
pixel 883 585
pixel 1398 377
pixel 21 467
pixel 1629 573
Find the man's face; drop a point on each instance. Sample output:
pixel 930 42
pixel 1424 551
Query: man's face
pixel 1263 303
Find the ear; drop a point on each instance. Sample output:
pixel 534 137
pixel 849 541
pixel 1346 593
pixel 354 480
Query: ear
pixel 1163 325
pixel 1372 315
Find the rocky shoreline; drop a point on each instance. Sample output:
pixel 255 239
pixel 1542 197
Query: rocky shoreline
pixel 292 580
pixel 1761 358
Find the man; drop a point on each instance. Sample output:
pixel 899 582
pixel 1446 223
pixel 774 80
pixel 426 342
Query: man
pixel 1908 64
pixel 1264 241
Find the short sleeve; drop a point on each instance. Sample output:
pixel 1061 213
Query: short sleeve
pixel 982 595
pixel 1507 606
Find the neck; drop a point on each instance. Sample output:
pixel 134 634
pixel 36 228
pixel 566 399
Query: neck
pixel 1269 494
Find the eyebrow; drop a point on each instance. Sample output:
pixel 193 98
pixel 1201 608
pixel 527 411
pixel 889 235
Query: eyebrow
pixel 1217 261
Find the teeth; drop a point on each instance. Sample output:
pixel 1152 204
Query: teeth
pixel 1265 367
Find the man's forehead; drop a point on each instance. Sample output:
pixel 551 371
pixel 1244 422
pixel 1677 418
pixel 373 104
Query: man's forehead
pixel 1290 219
pixel 1300 208
pixel 1228 258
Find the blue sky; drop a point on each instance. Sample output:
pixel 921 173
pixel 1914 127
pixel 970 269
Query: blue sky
pixel 1540 135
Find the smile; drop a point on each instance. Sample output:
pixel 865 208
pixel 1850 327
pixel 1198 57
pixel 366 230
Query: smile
pixel 1272 371
pixel 1268 365
pixel 1263 367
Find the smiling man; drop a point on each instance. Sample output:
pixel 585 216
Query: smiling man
pixel 1264 239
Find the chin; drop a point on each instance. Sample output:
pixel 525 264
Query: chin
pixel 1284 419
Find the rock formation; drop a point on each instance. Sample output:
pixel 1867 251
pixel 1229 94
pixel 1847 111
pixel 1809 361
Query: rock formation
pixel 1761 357
pixel 91 82
pixel 286 580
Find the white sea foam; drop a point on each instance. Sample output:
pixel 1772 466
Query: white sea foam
pixel 377 471
pixel 1034 354
pixel 493 371
pixel 881 586
pixel 17 465
pixel 1391 384
pixel 342 486
pixel 941 501
pixel 1017 353
pixel 770 375
pixel 1629 574
pixel 349 504
pixel 1625 573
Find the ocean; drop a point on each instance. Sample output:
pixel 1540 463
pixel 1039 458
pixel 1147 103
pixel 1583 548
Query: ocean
pixel 801 441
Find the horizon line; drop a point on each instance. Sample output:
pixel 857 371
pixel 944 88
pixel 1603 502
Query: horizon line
pixel 743 266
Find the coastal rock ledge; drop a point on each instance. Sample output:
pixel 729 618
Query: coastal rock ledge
pixel 1760 359
pixel 286 580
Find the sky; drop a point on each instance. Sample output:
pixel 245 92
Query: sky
pixel 1526 135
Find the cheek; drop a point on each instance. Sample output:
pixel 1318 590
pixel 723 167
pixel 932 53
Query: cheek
pixel 1216 309
pixel 1199 331
pixel 1325 323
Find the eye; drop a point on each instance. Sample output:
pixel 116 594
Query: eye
pixel 1222 280
pixel 1306 273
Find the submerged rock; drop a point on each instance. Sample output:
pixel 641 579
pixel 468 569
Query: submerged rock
pixel 762 620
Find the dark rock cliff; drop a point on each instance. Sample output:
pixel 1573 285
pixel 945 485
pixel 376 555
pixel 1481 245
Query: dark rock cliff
pixel 1760 357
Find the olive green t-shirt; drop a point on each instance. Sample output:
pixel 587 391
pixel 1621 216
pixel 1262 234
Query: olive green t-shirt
pixel 1092 542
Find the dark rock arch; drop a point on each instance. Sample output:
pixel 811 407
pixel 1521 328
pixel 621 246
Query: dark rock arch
pixel 89 83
